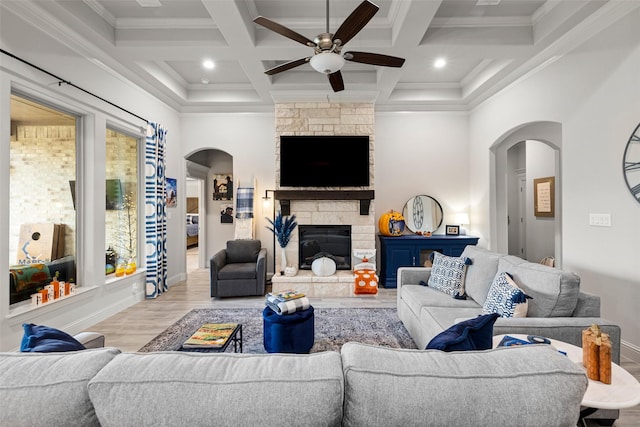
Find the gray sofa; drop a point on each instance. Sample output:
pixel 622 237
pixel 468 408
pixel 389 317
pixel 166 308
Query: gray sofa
pixel 363 385
pixel 558 310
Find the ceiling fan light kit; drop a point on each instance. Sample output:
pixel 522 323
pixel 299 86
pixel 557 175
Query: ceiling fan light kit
pixel 327 57
pixel 327 62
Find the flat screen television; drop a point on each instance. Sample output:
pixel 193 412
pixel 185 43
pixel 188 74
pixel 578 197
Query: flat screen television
pixel 114 199
pixel 324 161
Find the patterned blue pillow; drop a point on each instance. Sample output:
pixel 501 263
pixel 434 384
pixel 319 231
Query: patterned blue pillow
pixel 448 273
pixel 506 298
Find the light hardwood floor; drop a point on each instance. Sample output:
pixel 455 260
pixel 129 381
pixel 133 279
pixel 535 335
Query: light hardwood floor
pixel 132 328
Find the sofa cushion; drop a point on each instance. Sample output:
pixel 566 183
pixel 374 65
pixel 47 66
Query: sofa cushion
pixel 44 339
pixel 462 389
pixel 189 389
pixel 417 297
pixel 242 250
pixel 554 292
pixel 49 389
pixel 480 274
pixel 506 298
pixel 472 334
pixel 448 273
pixel 240 270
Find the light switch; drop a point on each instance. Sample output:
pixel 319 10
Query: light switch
pixel 600 220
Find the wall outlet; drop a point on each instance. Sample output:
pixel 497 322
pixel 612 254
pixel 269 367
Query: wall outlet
pixel 600 220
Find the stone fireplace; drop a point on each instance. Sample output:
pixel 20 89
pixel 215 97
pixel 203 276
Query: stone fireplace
pixel 316 240
pixel 326 119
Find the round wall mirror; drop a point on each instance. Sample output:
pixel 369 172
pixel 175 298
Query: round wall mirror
pixel 422 214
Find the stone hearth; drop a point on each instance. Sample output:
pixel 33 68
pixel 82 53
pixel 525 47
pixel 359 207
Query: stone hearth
pixel 338 285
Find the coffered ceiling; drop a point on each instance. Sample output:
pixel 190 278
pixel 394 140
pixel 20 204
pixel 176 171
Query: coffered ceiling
pixel 160 46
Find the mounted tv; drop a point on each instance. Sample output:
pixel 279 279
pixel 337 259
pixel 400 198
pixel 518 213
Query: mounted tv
pixel 114 199
pixel 324 161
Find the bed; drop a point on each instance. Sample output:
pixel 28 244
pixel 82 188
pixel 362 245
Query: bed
pixel 193 221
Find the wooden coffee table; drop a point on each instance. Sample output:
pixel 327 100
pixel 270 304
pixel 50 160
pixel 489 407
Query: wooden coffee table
pixel 623 392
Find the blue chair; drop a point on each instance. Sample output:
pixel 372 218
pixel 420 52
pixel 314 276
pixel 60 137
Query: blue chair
pixel 288 333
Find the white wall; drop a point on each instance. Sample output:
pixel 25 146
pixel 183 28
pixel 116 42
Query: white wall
pixel 249 139
pixel 192 190
pixel 594 94
pixel 423 153
pixel 98 299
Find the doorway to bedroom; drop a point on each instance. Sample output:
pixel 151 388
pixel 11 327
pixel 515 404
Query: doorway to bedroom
pixel 193 226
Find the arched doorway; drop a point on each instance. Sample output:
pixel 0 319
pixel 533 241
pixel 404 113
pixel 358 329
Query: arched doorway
pixel 204 166
pixel 503 175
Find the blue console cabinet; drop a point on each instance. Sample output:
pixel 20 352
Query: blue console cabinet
pixel 412 250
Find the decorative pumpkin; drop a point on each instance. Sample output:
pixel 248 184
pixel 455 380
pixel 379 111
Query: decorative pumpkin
pixel 391 224
pixel 323 267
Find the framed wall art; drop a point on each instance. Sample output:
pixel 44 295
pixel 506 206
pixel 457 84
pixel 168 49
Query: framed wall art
pixel 544 194
pixel 223 187
pixel 172 192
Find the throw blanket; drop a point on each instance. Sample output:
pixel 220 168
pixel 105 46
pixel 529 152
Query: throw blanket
pixel 244 204
pixel 287 307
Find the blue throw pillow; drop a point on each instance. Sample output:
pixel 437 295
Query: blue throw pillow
pixel 472 334
pixel 43 339
pixel 448 273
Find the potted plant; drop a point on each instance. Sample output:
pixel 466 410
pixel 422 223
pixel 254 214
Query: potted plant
pixel 282 227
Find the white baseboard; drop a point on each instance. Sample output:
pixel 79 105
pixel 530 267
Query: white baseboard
pixel 630 351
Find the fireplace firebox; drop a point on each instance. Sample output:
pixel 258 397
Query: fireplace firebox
pixel 331 239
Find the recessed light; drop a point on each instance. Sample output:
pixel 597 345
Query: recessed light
pixel 205 81
pixel 440 63
pixel 208 64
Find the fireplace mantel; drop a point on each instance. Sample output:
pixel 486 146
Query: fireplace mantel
pixel 285 197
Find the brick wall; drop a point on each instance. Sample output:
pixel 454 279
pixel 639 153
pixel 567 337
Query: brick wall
pixel 43 161
pixel 42 164
pixel 328 119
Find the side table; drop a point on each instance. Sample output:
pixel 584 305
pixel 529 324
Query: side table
pixel 623 392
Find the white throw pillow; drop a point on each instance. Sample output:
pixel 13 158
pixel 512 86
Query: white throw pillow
pixel 323 267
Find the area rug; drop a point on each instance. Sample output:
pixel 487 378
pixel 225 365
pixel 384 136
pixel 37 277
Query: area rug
pixel 333 328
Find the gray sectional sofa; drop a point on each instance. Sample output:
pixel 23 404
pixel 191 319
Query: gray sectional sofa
pixel 362 385
pixel 558 310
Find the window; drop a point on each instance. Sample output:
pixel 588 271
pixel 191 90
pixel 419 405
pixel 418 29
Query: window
pixel 121 216
pixel 42 221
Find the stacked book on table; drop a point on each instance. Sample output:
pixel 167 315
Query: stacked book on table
pixel 210 335
pixel 287 302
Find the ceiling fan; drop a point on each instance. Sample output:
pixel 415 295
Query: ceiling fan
pixel 327 57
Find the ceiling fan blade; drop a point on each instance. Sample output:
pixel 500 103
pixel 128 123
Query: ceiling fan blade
pixel 374 59
pixel 356 21
pixel 283 31
pixel 337 84
pixel 286 66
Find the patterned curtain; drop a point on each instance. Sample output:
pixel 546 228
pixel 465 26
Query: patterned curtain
pixel 155 201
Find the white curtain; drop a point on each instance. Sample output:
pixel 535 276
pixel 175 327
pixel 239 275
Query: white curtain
pixel 155 202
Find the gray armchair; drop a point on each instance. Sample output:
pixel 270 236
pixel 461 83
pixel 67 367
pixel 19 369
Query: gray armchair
pixel 239 270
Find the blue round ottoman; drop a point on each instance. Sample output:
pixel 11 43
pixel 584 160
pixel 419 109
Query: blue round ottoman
pixel 288 333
